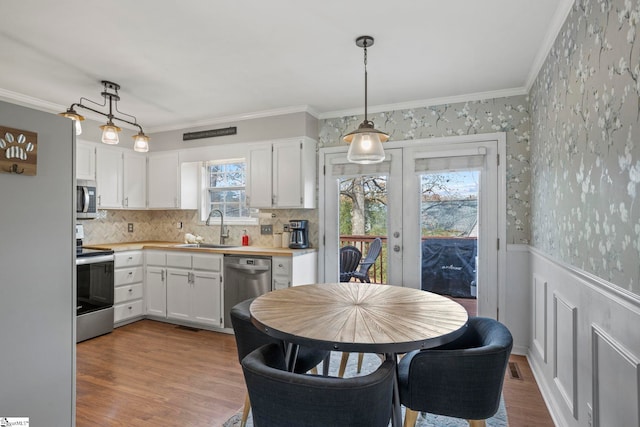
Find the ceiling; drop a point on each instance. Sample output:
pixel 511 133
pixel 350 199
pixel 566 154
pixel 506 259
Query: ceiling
pixel 195 62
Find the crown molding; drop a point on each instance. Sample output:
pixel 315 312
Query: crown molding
pixel 29 101
pixel 502 93
pixel 562 12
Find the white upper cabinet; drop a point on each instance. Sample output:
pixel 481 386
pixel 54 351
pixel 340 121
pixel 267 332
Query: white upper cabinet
pixel 259 193
pixel 172 185
pixel 109 177
pixel 85 160
pixel 121 178
pixel 134 180
pixel 164 189
pixel 282 174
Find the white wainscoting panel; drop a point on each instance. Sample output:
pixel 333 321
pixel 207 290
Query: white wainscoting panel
pixel 565 335
pixel 587 364
pixel 614 368
pixel 540 316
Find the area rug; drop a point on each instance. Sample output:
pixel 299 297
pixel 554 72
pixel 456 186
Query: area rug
pixel 370 363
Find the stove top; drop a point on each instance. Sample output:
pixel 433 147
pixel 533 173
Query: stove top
pixel 85 252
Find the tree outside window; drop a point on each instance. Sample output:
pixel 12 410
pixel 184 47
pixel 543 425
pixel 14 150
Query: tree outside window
pixel 225 189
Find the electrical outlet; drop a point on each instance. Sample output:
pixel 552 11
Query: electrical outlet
pixel 130 227
pixel 266 229
pixel 179 225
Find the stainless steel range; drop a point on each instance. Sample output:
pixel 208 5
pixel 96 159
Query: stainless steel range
pixel 95 288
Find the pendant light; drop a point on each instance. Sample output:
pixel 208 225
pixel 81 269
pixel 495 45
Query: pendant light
pixel 365 143
pixel 109 130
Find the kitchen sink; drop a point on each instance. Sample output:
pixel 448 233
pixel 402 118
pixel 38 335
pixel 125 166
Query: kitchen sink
pixel 204 246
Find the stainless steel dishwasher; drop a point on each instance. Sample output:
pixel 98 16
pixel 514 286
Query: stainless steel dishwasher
pixel 244 278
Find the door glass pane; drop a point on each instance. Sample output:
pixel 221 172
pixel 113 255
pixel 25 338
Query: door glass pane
pixel 449 230
pixel 363 218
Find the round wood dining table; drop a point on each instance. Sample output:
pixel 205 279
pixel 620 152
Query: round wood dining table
pixel 359 317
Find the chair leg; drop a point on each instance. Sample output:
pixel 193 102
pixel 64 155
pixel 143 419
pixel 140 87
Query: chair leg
pixel 343 364
pixel 245 411
pixel 325 365
pixel 410 417
pixel 477 423
pixel 360 357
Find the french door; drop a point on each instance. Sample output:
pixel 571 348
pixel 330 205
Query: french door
pixel 404 170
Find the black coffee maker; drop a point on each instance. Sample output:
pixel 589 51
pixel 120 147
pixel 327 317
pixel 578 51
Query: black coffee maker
pixel 299 229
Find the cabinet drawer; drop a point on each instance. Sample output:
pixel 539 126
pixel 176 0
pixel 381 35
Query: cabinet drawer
pixel 179 260
pixel 125 276
pixel 127 310
pixel 127 293
pixel 128 259
pixel 207 262
pixel 281 266
pixel 156 258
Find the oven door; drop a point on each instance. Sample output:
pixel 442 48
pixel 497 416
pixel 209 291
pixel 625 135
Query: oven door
pixel 95 281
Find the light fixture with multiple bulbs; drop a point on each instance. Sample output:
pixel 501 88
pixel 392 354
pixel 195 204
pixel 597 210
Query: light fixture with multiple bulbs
pixel 365 143
pixel 109 130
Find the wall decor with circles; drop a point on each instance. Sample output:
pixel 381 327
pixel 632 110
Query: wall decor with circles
pixel 18 151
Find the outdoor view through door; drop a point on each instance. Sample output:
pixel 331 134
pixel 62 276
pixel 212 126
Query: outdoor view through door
pixel 363 218
pixel 448 224
pixel 449 232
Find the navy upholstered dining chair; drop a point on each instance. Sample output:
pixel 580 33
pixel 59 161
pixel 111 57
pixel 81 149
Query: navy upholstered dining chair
pixel 248 338
pixel 280 398
pixel 461 379
pixel 349 260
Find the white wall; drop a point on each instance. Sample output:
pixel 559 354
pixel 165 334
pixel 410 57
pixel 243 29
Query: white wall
pixel 585 345
pixel 37 276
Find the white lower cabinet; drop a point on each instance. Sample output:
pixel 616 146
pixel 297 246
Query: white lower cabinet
pixel 294 270
pixel 185 288
pixel 280 272
pixel 128 292
pixel 156 291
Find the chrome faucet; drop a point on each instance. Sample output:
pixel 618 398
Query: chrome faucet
pixel 223 235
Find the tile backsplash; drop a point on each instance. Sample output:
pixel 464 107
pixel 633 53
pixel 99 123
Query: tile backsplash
pixel 111 226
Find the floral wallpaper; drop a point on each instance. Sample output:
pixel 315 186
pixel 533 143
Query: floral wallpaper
pixel 585 112
pixel 509 115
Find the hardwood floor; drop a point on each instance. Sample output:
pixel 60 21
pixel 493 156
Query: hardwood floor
pixel 152 373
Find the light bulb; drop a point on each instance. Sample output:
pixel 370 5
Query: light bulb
pixel 110 133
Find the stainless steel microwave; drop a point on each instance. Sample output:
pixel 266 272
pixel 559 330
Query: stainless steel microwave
pixel 86 204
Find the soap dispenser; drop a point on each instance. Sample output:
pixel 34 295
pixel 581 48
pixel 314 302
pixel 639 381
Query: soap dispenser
pixel 245 238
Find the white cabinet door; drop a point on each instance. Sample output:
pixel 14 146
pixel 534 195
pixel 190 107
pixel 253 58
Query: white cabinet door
pixel 259 184
pixel 85 160
pixel 109 177
pixel 163 180
pixel 178 294
pixel 156 293
pixel 135 180
pixel 287 177
pixel 282 174
pixel 206 301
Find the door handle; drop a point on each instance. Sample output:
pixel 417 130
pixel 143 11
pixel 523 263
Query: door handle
pixel 248 268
